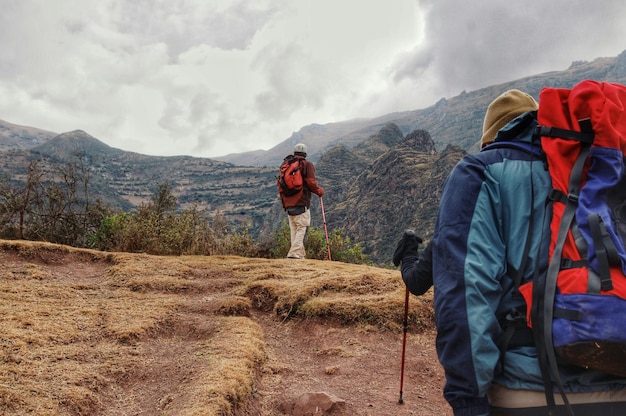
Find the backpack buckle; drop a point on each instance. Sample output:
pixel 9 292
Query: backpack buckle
pixel 573 198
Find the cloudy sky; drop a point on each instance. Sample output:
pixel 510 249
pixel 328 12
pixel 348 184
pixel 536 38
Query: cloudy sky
pixel 211 77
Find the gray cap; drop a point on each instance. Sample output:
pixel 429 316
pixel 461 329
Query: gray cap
pixel 300 148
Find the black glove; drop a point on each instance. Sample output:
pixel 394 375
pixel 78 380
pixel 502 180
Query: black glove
pixel 407 244
pixel 417 273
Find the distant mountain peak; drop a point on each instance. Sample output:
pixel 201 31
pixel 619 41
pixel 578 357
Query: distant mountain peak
pixel 420 141
pixel 77 142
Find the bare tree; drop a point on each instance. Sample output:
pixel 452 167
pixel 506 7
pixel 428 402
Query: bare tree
pixel 52 205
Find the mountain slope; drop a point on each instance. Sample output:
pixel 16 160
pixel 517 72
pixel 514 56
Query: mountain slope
pixel 125 180
pixel 456 120
pixel 400 190
pixel 67 145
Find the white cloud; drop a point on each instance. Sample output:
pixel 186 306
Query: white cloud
pixel 469 46
pixel 210 77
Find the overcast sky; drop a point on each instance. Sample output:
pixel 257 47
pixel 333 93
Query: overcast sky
pixel 211 77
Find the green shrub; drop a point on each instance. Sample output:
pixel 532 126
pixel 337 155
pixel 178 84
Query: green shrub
pixel 280 241
pixel 341 248
pixel 157 227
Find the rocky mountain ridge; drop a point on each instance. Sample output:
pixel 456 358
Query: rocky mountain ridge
pixel 456 120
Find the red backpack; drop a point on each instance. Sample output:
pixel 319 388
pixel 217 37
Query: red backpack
pixel 578 308
pixel 289 179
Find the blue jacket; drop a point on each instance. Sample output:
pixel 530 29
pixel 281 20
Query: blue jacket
pixel 479 241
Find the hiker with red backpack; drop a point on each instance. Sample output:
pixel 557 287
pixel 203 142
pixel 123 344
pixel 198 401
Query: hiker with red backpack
pixel 492 236
pixel 295 185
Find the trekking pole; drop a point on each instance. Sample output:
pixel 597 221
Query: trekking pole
pixel 405 324
pixel 325 229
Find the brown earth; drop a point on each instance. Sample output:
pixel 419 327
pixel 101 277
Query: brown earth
pixel 360 364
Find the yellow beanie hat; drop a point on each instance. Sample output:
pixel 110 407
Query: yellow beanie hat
pixel 502 110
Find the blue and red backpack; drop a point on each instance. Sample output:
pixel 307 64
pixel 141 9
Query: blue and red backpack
pixel 578 308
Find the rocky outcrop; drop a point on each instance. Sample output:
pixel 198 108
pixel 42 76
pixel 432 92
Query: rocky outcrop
pixel 314 404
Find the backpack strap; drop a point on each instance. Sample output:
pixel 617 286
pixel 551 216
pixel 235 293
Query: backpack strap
pixel 525 147
pixel 581 244
pixel 605 250
pixel 585 137
pixel 544 289
pixel 515 330
pixel 303 167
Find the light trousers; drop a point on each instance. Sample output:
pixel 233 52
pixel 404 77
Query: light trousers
pixel 298 224
pixel 508 402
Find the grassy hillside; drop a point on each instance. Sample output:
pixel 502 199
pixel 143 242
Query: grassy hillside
pixel 86 332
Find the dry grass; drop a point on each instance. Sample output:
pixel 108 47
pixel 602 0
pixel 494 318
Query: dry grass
pixel 77 323
pixel 347 293
pixel 228 379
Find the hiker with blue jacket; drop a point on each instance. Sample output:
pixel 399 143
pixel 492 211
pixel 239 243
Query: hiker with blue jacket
pixel 493 227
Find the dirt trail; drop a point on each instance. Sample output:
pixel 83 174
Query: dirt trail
pixel 358 364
